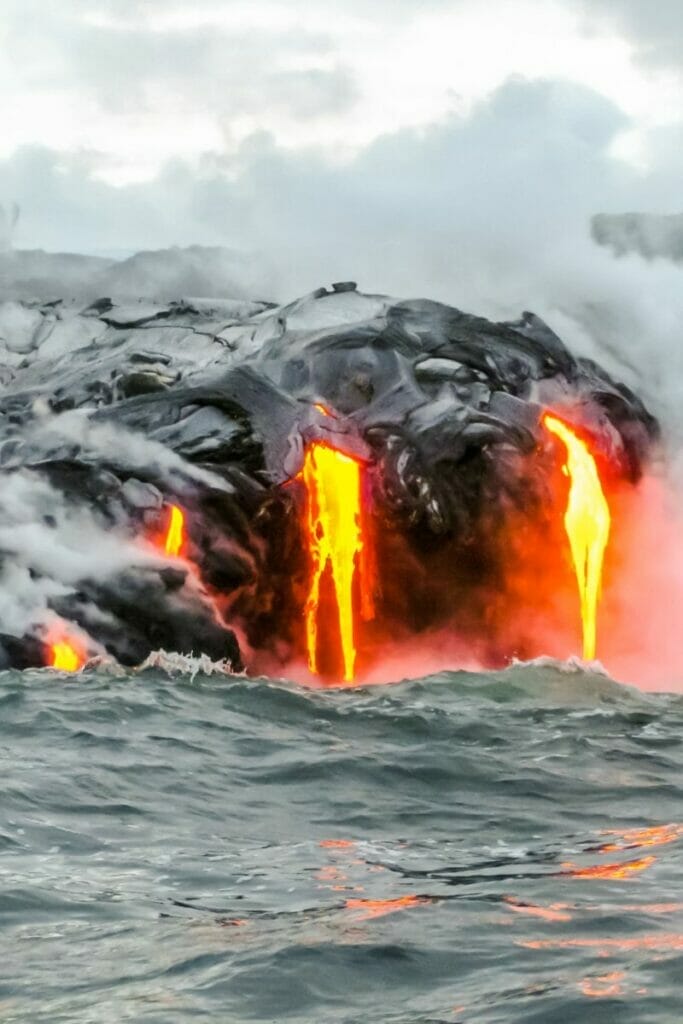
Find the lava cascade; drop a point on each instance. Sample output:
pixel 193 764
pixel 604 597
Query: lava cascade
pixel 175 534
pixel 587 522
pixel 334 532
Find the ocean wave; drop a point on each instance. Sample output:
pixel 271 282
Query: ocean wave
pixel 182 842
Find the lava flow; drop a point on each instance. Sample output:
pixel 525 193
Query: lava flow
pixel 587 522
pixel 66 655
pixel 175 535
pixel 335 539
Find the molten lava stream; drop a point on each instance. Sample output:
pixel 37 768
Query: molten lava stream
pixel 587 521
pixel 66 655
pixel 175 534
pixel 334 531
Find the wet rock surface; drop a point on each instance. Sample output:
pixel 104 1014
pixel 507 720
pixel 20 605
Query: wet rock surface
pixel 111 412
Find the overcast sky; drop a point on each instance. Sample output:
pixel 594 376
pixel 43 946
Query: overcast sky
pixel 452 148
pixel 174 101
pixel 128 85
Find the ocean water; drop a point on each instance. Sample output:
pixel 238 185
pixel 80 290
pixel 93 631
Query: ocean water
pixel 496 847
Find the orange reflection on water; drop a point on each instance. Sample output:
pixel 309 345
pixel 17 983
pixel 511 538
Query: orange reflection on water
pixel 609 871
pixel 656 908
pixel 330 873
pixel 658 835
pixel 667 941
pixel 554 912
pixel 337 844
pixel 379 908
pixel 604 986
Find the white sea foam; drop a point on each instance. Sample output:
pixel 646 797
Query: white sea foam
pixel 570 665
pixel 185 664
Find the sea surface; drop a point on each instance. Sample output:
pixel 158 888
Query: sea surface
pixel 495 847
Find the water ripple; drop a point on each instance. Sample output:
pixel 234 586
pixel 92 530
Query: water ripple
pixel 496 847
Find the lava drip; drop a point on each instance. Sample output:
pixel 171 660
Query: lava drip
pixel 587 522
pixel 335 535
pixel 175 534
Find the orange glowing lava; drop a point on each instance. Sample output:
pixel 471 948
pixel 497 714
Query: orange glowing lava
pixel 66 655
pixel 175 535
pixel 335 540
pixel 587 522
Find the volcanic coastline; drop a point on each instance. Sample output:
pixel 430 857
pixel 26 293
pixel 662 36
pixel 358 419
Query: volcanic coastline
pixel 159 462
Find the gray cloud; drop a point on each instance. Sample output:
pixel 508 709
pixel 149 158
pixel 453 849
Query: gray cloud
pixel 655 27
pixel 226 73
pixel 314 92
pixel 124 65
pixel 651 235
pixel 532 156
